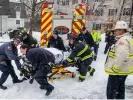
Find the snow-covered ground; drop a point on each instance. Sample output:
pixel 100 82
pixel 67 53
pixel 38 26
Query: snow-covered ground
pixel 92 88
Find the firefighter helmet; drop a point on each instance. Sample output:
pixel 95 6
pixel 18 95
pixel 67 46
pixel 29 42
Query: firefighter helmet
pixel 121 25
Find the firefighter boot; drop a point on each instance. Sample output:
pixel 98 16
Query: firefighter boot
pixel 95 58
pixel 17 81
pixel 92 73
pixel 43 87
pixel 81 79
pixel 49 91
pixel 3 87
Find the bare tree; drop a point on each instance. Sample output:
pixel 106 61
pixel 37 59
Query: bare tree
pixel 121 9
pixel 131 14
pixel 33 7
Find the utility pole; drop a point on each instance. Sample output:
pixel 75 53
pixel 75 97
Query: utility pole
pixel 121 9
pixel 131 13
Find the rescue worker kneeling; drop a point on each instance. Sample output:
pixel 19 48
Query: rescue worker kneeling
pixel 85 54
pixel 39 59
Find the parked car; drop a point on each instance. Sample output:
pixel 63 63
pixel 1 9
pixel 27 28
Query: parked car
pixel 13 33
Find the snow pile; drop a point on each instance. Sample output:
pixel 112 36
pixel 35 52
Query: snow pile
pixel 4 38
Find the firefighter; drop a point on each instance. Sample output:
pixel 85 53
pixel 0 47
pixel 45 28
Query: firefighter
pixel 85 55
pixel 28 39
pixel 97 38
pixel 110 39
pixel 119 62
pixel 86 37
pixel 40 59
pixel 56 41
pixel 8 52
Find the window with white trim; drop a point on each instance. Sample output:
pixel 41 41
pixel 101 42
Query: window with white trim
pixel 126 11
pixel 99 12
pixel 112 12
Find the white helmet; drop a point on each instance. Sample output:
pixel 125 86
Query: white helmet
pixel 121 25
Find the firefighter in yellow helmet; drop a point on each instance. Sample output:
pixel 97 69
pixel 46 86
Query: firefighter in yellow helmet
pixel 119 62
pixel 97 38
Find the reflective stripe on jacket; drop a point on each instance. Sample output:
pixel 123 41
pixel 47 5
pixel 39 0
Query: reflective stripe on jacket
pixel 81 50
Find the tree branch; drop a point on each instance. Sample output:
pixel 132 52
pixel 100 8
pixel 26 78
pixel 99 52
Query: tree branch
pixel 26 5
pixel 40 2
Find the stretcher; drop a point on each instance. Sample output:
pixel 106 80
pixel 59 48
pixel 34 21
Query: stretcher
pixel 57 71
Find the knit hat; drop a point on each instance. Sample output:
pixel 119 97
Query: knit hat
pixel 55 32
pixel 84 28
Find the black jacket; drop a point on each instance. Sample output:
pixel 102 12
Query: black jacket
pixel 30 41
pixel 81 50
pixel 9 52
pixel 110 39
pixel 87 38
pixel 56 43
pixel 39 57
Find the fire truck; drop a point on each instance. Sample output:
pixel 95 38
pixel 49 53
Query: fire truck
pixel 64 23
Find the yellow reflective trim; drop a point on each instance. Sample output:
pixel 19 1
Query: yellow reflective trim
pixel 91 70
pixel 130 56
pixel 83 77
pixel 110 72
pixel 112 54
pixel 81 52
pixel 37 45
pixel 32 45
pixel 116 69
pixel 86 57
pixel 131 42
pixel 69 60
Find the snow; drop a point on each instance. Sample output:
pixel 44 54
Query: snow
pixel 92 88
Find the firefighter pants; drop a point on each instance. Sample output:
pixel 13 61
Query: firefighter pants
pixel 7 69
pixel 116 87
pixel 96 46
pixel 107 48
pixel 41 78
pixel 84 67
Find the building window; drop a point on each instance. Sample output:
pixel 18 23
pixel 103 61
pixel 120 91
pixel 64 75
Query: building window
pixel 67 2
pixel 74 1
pixel 63 2
pixel 18 8
pixel 98 26
pixel 83 1
pixel 99 12
pixel 99 0
pixel 126 11
pixel 17 21
pixel 112 12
